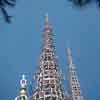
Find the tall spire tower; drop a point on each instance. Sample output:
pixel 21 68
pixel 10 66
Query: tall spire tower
pixel 74 86
pixel 48 39
pixel 48 77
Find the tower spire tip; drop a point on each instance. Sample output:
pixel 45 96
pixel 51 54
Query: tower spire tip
pixel 46 17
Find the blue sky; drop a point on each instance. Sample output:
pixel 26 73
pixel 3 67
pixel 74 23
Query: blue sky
pixel 21 44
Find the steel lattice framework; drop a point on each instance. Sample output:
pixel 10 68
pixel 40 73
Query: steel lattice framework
pixel 48 77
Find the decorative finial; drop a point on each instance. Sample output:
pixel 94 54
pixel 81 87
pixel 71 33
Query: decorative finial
pixel 23 81
pixel 23 76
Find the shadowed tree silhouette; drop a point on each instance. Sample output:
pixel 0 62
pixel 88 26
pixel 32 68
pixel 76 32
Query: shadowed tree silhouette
pixel 82 3
pixel 3 5
pixel 98 2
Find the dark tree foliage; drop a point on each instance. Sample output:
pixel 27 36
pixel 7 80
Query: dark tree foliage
pixel 3 5
pixel 81 3
pixel 98 2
